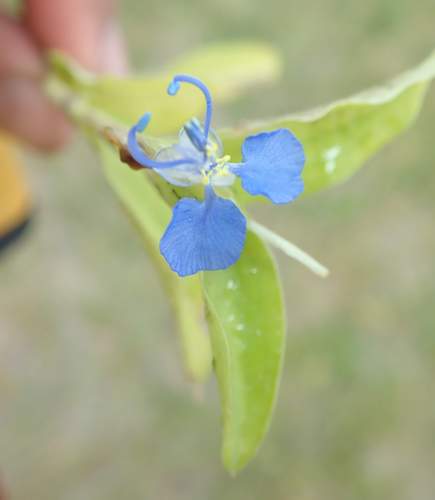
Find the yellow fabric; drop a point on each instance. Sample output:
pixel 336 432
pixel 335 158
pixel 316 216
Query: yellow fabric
pixel 15 202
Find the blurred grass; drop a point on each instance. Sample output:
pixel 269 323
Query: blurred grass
pixel 93 400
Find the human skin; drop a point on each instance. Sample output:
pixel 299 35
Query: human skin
pixel 85 29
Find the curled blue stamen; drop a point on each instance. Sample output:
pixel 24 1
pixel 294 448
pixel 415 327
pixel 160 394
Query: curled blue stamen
pixel 141 157
pixel 175 85
pixel 173 88
pixel 143 122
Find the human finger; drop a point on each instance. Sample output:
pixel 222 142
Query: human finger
pixel 85 29
pixel 19 54
pixel 23 109
pixel 25 113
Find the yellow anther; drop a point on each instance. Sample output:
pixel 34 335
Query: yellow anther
pixel 206 176
pixel 222 169
pixel 224 159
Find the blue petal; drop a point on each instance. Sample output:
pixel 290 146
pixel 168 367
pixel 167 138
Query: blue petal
pixel 203 236
pixel 272 165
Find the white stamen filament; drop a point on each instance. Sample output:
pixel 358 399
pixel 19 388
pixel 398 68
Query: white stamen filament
pixel 288 248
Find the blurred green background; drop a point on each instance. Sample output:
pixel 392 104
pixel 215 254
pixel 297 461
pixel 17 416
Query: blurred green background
pixel 94 404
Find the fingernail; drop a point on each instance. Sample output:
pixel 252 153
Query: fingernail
pixel 25 113
pixel 113 57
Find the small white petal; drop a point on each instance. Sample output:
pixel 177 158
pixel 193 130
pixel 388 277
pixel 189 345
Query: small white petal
pixel 186 144
pixel 224 180
pixel 186 174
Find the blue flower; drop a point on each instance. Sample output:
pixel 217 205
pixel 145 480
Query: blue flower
pixel 210 235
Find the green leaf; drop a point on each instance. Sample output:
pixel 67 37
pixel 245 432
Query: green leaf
pixel 340 137
pixel 125 100
pixel 151 216
pixel 231 67
pixel 247 329
pixel 227 68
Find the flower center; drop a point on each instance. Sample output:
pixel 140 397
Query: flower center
pixel 209 148
pixel 220 167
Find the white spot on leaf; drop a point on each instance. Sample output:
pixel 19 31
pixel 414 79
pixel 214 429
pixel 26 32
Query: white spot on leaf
pixel 240 343
pixel 253 270
pixel 231 285
pixel 231 317
pixel 240 327
pixel 330 155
